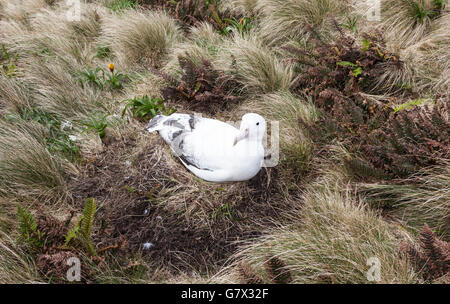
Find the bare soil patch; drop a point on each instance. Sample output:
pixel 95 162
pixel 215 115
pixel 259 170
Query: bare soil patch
pixel 145 209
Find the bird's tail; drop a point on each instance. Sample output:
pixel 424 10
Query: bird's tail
pixel 155 123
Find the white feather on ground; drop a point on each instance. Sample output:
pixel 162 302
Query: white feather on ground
pixel 211 149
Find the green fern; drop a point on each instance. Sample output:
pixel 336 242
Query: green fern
pixel 82 231
pixel 408 105
pixel 28 228
pixel 72 234
pixel 87 221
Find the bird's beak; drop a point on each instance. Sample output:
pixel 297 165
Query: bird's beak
pixel 242 134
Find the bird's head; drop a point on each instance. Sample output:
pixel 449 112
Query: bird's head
pixel 253 128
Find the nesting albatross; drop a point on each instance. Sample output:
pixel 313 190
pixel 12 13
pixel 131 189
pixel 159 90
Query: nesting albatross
pixel 211 149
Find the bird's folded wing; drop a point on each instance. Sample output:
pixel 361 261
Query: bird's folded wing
pixel 207 147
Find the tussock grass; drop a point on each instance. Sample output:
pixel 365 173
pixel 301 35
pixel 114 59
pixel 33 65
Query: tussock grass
pixel 15 264
pixel 284 19
pixel 244 7
pixel 203 44
pixel 430 57
pixel 421 45
pixel 49 34
pixel 336 237
pixel 140 37
pixel 14 95
pixel 401 25
pixel 59 92
pixel 55 21
pixel 288 110
pixel 27 168
pixel 254 65
pixel 418 200
pixel 20 11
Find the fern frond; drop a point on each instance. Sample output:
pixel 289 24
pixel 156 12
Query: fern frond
pixel 82 231
pixel 71 234
pixel 28 228
pixel 87 220
pixel 276 270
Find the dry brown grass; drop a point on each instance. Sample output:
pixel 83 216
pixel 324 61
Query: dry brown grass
pixel 244 7
pixel 140 36
pixel 14 95
pixel 256 68
pixel 430 57
pixel 418 200
pixel 285 19
pixel 333 242
pixel 16 266
pixel 28 170
pixel 203 44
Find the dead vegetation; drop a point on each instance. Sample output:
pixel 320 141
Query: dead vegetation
pixel 191 12
pixel 201 88
pixel 433 258
pixel 395 142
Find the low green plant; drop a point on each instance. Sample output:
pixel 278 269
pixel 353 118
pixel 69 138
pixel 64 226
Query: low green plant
pixel 58 141
pixel 98 79
pixel 421 12
pixel 10 68
pixel 357 68
pixel 121 5
pixel 28 228
pixel 82 231
pixel 350 23
pixel 98 124
pixel 242 26
pixel 146 107
pixel 92 77
pixel 408 105
pixel 440 4
pixel 115 80
pixel 223 211
pixel 130 189
pixel 102 52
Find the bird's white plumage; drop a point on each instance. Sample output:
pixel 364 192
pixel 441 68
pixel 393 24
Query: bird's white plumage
pixel 211 149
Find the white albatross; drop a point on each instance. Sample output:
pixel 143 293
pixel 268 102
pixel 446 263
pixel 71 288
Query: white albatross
pixel 211 149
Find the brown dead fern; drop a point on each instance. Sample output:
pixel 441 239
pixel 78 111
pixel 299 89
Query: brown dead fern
pixel 201 87
pixel 432 260
pixel 247 274
pixel 275 271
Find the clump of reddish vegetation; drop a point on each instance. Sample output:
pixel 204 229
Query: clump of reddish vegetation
pixel 410 140
pixel 55 265
pixel 189 12
pixel 45 238
pixel 201 87
pixel 55 231
pixel 275 271
pixel 432 260
pixel 342 69
pixel 393 144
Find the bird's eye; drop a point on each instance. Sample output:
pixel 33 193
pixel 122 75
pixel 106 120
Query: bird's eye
pixel 257 123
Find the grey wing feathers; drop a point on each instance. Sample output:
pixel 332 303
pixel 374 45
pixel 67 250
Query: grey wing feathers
pixel 189 161
pixel 184 122
pixel 154 123
pixel 174 129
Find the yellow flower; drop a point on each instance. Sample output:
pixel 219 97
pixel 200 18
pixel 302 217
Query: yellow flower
pixel 111 67
pixel 242 20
